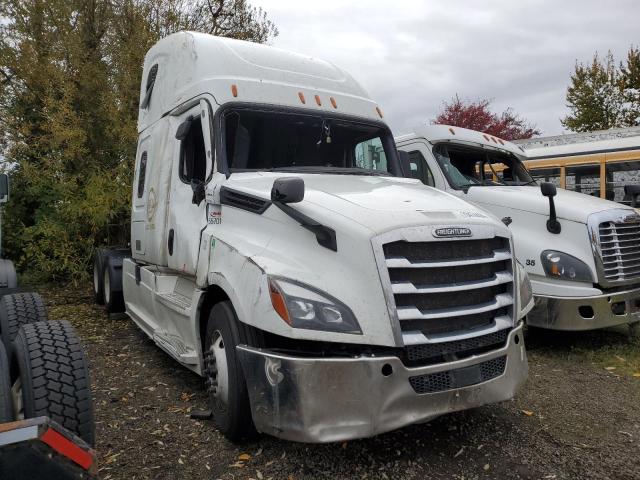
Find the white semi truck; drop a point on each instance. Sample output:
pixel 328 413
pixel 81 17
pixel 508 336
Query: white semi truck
pixel 277 251
pixel 582 253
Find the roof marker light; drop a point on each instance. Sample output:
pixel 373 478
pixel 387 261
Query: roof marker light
pixel 301 97
pixel 234 90
pixel 494 140
pixel 500 142
pixel 486 138
pixel 333 102
pixel 379 111
pixel 452 131
pixel 318 100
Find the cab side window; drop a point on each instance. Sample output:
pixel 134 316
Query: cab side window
pixel 419 168
pixel 142 173
pixel 370 155
pixel 193 157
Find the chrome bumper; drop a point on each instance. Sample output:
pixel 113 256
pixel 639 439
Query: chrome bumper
pixel 586 313
pixel 336 399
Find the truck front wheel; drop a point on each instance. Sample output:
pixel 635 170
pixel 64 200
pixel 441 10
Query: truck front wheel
pixel 224 377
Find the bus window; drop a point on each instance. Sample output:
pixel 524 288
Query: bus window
pixel 549 174
pixel 620 174
pixel 584 179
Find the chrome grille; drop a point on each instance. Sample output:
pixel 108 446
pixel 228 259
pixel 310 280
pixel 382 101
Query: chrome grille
pixel 620 249
pixel 443 287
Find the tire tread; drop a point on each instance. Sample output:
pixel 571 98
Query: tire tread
pixel 59 376
pixel 20 309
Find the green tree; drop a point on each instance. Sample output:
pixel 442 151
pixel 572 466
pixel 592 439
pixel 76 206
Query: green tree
pixel 630 85
pixel 594 96
pixel 69 86
pixel 602 96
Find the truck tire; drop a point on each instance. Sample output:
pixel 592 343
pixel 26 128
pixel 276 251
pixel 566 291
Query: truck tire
pixel 19 309
pixel 6 405
pixel 8 277
pixel 98 275
pixel 112 283
pixel 52 377
pixel 224 378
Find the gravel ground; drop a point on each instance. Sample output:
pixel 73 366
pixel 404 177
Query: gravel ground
pixel 575 418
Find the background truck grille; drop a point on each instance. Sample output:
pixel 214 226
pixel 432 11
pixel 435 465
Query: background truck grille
pixel 450 286
pixel 460 377
pixel 620 250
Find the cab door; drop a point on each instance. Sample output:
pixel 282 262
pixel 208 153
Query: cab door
pixel 423 165
pixel 192 167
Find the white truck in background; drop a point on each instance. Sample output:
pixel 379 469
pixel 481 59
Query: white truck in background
pixel 582 253
pixel 278 252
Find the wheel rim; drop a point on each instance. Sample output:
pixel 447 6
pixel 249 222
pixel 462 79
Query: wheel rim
pixel 107 287
pixel 220 371
pixel 18 402
pixel 95 278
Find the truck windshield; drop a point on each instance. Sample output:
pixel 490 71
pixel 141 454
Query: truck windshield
pixel 309 143
pixel 467 166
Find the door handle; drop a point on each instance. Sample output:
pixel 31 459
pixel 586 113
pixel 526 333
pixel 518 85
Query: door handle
pixel 170 241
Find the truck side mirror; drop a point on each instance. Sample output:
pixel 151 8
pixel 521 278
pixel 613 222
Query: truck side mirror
pixel 633 191
pixel 287 190
pixel 4 188
pixel 405 163
pixel 549 190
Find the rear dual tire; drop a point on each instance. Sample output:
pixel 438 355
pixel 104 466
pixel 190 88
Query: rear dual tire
pixel 98 275
pixel 107 279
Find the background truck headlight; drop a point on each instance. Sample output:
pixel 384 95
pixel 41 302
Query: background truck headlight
pixel 302 306
pixel 525 291
pixel 564 266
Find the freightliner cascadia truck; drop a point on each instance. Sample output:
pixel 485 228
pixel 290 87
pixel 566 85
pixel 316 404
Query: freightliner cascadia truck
pixel 278 251
pixel 582 253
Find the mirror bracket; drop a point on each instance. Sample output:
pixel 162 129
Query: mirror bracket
pixel 549 190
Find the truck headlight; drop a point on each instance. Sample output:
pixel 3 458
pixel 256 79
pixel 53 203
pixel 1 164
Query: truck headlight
pixel 564 266
pixel 525 291
pixel 302 306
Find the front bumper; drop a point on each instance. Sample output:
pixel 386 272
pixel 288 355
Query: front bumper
pixel 335 399
pixel 586 313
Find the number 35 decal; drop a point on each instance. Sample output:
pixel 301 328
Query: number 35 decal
pixel 531 262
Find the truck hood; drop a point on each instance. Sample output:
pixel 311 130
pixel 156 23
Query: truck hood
pixel 569 205
pixel 376 202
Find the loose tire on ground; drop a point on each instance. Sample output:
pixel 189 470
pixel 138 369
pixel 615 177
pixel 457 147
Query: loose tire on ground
pixel 6 405
pixel 52 373
pixel 98 275
pixel 19 309
pixel 224 377
pixel 8 277
pixel 112 282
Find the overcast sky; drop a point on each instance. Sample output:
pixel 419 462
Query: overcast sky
pixel 412 55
